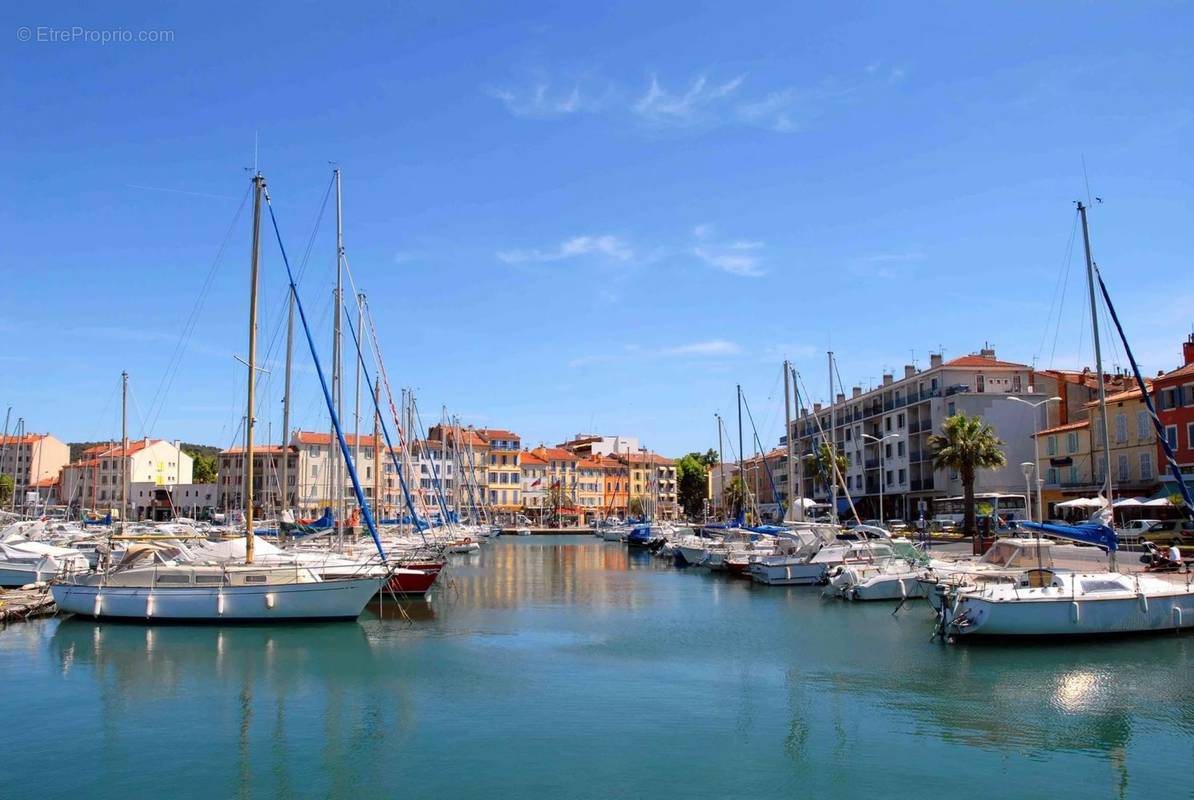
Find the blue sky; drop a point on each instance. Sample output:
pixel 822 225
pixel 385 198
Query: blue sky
pixel 585 217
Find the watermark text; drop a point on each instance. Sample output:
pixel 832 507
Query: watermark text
pixel 77 34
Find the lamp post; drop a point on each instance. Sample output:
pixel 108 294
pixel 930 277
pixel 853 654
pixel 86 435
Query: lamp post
pixel 1027 467
pixel 882 472
pixel 1036 452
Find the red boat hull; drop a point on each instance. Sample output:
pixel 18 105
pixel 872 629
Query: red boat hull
pixel 418 580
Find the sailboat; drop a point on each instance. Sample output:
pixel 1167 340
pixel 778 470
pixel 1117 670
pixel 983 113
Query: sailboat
pixel 1053 602
pixel 152 583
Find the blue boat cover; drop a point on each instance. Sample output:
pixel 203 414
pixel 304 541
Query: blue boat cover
pixel 1089 532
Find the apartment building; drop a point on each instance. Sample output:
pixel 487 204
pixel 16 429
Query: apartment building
pixel 534 484
pixel 883 433
pixel 504 473
pixel 96 480
pixel 653 483
pixel 595 444
pixel 30 459
pixel 1173 393
pixel 615 500
pixel 267 479
pixel 590 486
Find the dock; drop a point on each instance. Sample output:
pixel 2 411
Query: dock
pixel 18 605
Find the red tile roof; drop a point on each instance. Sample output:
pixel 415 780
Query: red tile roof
pixel 1069 426
pixel 528 458
pixel 318 438
pixel 1119 397
pixel 554 453
pixel 260 450
pixel 29 438
pixel 1180 372
pixel 497 433
pixel 981 361
pixel 116 450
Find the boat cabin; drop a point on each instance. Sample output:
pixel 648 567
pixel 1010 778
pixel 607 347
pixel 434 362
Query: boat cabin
pixel 1019 554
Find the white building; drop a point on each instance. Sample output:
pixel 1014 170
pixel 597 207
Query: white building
pixel 96 480
pixel 903 414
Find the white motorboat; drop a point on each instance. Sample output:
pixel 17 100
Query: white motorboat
pixel 1046 602
pixel 801 569
pixel 1004 562
pixel 894 579
pixel 23 561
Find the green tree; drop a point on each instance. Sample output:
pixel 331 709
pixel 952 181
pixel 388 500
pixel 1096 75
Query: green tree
pixel 692 483
pixel 710 458
pixel 819 464
pixel 966 444
pixel 205 467
pixel 734 497
pixel 6 485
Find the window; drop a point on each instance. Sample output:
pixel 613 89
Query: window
pixel 1051 476
pixel 1121 428
pixel 1051 445
pixel 1190 434
pixel 900 448
pixel 1124 472
pixel 1073 475
pixel 887 424
pixel 314 452
pixel 1171 435
pixel 1146 466
pixel 887 451
pixel 903 476
pixel 951 410
pixel 1071 443
pixel 1143 428
pixel 888 477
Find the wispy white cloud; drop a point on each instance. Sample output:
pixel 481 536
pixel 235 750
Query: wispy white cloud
pixel 739 257
pixel 607 246
pixel 711 348
pixel 701 102
pixel 697 103
pixel 884 265
pixel 542 100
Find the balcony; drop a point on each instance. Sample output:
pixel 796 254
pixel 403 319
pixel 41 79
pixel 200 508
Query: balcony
pixel 924 485
pixel 872 463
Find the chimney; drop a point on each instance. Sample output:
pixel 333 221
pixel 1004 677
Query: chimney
pixel 803 413
pixel 816 408
pixel 887 379
pixel 1188 351
pixel 841 398
pixel 935 360
pixel 856 392
pixel 987 352
pixel 909 370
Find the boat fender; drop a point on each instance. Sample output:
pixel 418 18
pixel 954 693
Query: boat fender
pixel 149 605
pixel 903 589
pixel 269 600
pixel 98 601
pixel 1075 613
pixel 220 603
pixel 1177 616
pixel 1143 598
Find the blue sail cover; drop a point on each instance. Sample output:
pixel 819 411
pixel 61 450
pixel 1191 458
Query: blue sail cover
pixel 107 520
pixel 326 521
pixel 1089 532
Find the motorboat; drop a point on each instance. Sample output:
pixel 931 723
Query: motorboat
pixel 1003 562
pixel 23 561
pixel 809 563
pixel 897 578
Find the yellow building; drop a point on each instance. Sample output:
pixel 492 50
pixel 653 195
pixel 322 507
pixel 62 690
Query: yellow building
pixel 590 486
pixel 504 475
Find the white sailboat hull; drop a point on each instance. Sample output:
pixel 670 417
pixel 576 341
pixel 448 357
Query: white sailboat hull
pixel 13 575
pixel 323 600
pixel 1067 615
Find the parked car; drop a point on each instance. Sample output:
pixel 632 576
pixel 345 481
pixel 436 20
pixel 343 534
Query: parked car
pixel 897 526
pixel 1170 531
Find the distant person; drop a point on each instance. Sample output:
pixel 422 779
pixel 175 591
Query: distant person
pixel 1175 554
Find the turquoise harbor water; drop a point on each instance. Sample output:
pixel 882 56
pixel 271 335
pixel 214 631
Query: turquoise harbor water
pixel 568 668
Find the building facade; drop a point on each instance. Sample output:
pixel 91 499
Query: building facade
pixel 96 480
pixel 31 459
pixel 1173 394
pixel 884 433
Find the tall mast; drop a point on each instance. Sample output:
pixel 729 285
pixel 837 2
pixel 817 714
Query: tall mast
pixel 377 447
pixel 258 186
pixel 799 471
pixel 721 466
pixel 125 461
pixel 356 448
pixel 337 497
pixel 741 474
pixel 286 406
pixel 788 440
pixel 832 445
pixel 1094 327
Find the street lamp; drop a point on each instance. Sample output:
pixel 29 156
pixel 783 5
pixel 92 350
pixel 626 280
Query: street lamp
pixel 1027 467
pixel 882 472
pixel 1036 451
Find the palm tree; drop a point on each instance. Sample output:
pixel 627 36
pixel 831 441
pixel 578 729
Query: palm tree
pixel 734 496
pixel 819 464
pixel 966 445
